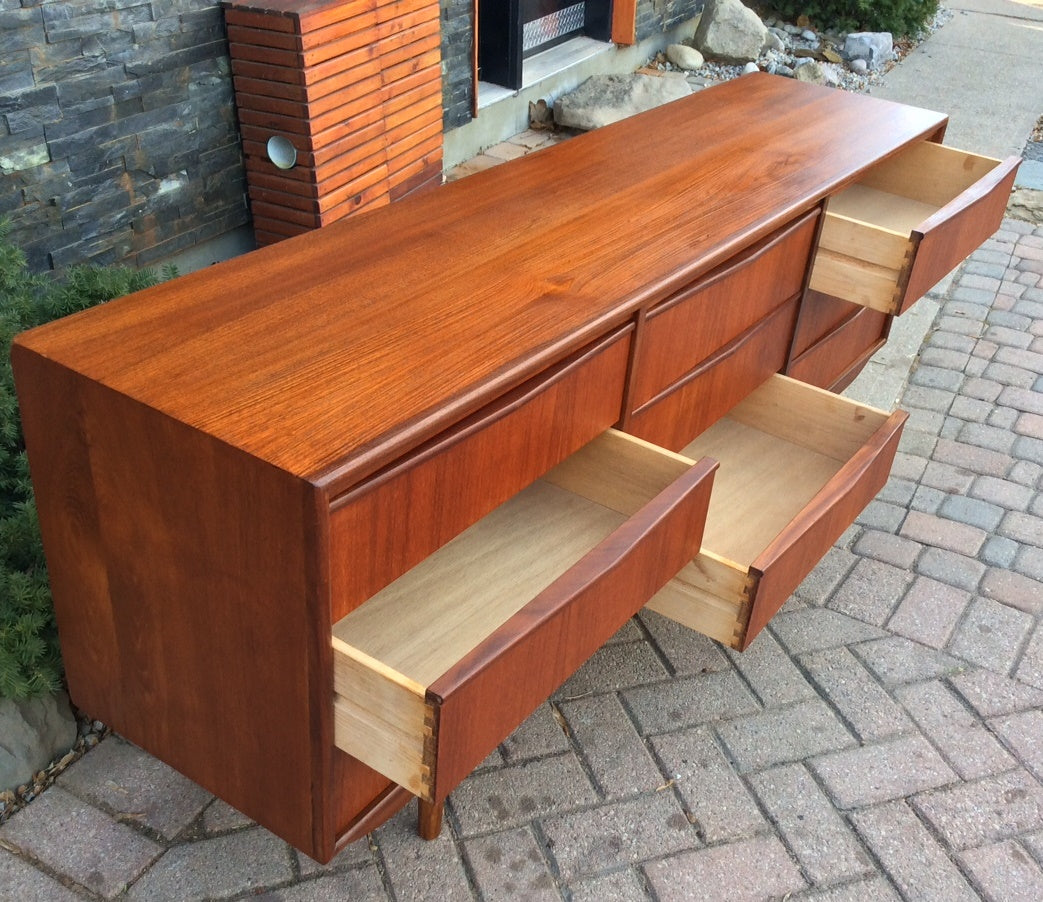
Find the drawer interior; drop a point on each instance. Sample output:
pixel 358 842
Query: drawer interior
pixel 388 651
pixel 901 193
pixel 923 178
pixel 778 449
pixel 872 228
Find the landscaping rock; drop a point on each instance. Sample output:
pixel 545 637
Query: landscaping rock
pixel 773 42
pixel 810 72
pixel 684 57
pixel 603 99
pixel 875 47
pixel 1026 204
pixel 730 32
pixel 32 734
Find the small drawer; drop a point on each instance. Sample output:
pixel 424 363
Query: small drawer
pixel 714 387
pixel 890 237
pixel 456 478
pixel 437 669
pixel 820 315
pixel 797 464
pixel 690 326
pixel 836 354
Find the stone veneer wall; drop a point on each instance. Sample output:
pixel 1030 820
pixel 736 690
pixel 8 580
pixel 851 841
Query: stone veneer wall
pixel 657 16
pixel 118 139
pixel 457 90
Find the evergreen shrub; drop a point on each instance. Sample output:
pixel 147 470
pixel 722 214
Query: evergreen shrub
pixel 900 17
pixel 30 662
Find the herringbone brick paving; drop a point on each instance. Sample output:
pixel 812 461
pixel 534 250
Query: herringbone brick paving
pixel 883 739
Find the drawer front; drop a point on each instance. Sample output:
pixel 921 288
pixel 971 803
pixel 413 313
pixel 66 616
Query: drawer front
pixel 712 389
pixel 887 240
pixel 837 357
pixel 820 315
pixel 525 661
pixel 784 564
pixel 961 225
pixel 436 670
pixel 696 323
pixel 456 479
pixel 797 465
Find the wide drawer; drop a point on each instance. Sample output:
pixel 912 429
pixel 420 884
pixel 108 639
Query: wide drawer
pixel 715 386
pixel 797 464
pixel 890 237
pixel 696 323
pixel 438 668
pixel 457 478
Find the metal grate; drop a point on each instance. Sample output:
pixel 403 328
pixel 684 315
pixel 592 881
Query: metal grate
pixel 553 26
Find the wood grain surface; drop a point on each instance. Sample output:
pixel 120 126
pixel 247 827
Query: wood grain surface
pixel 188 621
pixel 790 557
pixel 453 481
pixel 676 416
pixel 332 354
pixel 957 229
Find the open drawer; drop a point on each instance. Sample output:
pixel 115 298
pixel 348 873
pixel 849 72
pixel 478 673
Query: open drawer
pixel 435 670
pixel 797 465
pixel 890 237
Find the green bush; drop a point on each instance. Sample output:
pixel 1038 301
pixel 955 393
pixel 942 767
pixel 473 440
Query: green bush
pixel 29 658
pixel 900 17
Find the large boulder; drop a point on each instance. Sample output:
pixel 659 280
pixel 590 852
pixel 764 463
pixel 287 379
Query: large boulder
pixel 730 32
pixel 603 99
pixel 32 734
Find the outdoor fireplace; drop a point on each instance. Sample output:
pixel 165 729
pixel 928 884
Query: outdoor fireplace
pixel 510 31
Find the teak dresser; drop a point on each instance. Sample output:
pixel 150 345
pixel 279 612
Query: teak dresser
pixel 326 522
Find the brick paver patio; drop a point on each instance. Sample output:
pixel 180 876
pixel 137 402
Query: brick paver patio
pixel 882 740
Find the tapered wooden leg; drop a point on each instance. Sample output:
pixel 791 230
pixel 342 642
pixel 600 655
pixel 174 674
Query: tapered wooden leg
pixel 429 823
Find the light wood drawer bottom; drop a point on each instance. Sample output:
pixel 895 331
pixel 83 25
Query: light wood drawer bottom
pixel 436 669
pixel 797 464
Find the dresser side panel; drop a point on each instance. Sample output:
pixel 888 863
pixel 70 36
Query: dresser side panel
pixel 186 581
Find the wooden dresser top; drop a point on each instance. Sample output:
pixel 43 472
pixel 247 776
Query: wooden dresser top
pixel 331 354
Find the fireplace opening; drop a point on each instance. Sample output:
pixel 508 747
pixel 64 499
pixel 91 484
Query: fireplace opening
pixel 510 32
